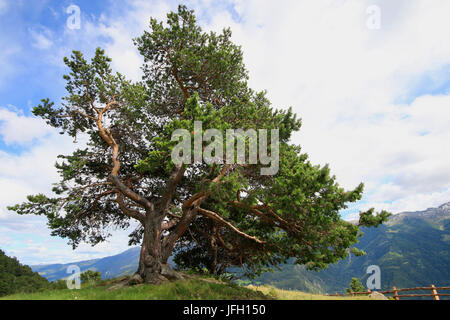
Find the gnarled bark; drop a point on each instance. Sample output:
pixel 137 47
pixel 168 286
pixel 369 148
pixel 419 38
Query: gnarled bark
pixel 153 261
pixel 150 263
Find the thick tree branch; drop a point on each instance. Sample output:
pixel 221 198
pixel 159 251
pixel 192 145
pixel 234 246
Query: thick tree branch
pixel 271 217
pixel 221 241
pixel 94 203
pixel 190 210
pixel 176 76
pixel 84 114
pixel 131 194
pixel 108 138
pixel 106 135
pixel 204 194
pixel 166 225
pixel 222 221
pixel 255 211
pixel 194 198
pixel 174 179
pixel 128 211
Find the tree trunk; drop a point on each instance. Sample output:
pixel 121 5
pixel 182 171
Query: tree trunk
pixel 153 267
pixel 150 262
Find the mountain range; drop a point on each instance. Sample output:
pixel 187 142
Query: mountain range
pixel 124 263
pixel 412 249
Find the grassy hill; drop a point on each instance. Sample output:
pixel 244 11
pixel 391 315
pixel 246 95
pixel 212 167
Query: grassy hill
pixel 198 288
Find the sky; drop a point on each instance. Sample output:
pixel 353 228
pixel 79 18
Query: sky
pixel 370 80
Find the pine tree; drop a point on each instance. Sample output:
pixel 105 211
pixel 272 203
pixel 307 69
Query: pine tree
pixel 126 172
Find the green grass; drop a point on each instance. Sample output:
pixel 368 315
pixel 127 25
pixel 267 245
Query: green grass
pixel 191 289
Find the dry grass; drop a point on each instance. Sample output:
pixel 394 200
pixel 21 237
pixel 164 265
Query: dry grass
pixel 280 294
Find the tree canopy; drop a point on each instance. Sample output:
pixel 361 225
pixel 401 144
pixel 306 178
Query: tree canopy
pixel 355 286
pixel 213 214
pixel 90 276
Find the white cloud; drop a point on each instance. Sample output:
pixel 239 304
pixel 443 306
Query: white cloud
pixel 123 29
pixel 32 250
pixel 42 38
pixel 30 172
pixel 3 6
pixel 344 79
pixel 15 127
pixel 9 50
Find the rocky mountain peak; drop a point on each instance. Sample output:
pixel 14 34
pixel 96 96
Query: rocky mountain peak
pixel 445 206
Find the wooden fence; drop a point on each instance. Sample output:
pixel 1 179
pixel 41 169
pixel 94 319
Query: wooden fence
pixel 398 293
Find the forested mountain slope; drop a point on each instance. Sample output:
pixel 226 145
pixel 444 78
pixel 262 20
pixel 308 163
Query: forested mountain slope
pixel 15 277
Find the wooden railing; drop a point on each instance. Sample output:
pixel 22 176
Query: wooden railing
pixel 397 293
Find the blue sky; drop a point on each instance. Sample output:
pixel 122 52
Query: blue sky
pixel 375 103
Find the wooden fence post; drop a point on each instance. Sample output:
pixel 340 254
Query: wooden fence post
pixel 434 292
pixel 396 297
